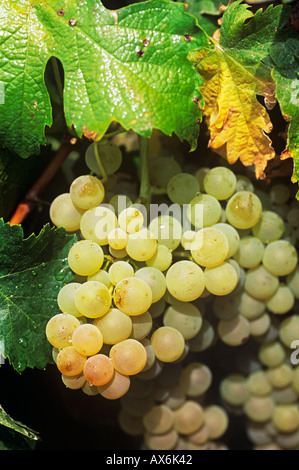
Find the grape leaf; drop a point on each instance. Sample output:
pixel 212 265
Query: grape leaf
pixel 235 72
pixel 17 426
pixel 128 66
pixel 32 271
pixel 206 7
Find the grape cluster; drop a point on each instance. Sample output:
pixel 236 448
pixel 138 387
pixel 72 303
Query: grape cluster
pixel 154 291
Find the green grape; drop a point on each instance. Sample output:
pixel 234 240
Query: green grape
pixel 175 398
pixel 250 307
pixel 280 376
pixel 182 187
pixel 161 259
pixel 220 182
pixel 132 296
pixel 185 317
pixel 221 280
pixel 188 418
pixel 109 154
pixel 280 258
pixel 211 247
pixel 200 175
pixel 259 326
pixel 203 339
pixel 293 217
pixel 118 254
pixel 131 425
pixel 141 326
pixel 195 379
pixel 244 184
pixel 289 330
pixel 259 383
pixel 258 433
pixel 293 282
pixel 272 354
pixel 98 369
pixel 232 236
pixel 260 283
pixel 155 279
pixel 120 270
pixel 286 417
pixel 128 357
pixel 85 257
pixel 185 281
pixel 93 299
pixel 100 276
pixel 234 332
pixel 87 192
pixel 234 390
pixel 115 326
pixel 97 223
pixel 203 211
pixel 130 220
pixel 168 343
pixel 64 213
pixel 226 308
pixel 159 420
pixel 167 230
pixel 66 299
pixel 279 194
pixel 87 339
pixel 74 382
pixel 259 409
pixel 282 301
pixel 157 308
pixel 250 252
pixel 243 210
pixel 161 169
pixel 60 329
pixel 70 362
pixel 141 245
pixel 120 202
pixel 116 388
pixel 216 420
pixel 289 440
pixel 117 239
pixel 269 228
pixel 165 441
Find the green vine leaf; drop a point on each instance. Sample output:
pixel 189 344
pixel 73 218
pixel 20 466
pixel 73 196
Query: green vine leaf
pixel 32 271
pixel 128 66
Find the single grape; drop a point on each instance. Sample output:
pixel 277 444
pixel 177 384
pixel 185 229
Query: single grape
pixel 286 417
pixel 280 258
pixel 116 388
pixel 260 283
pixel 269 228
pixel 100 276
pixel 117 239
pixel 220 182
pixel 280 376
pixel 168 343
pixel 272 354
pixel 203 211
pixel 130 220
pixel 182 187
pixel 188 418
pixel 243 210
pixel 250 252
pixel 216 420
pixel 234 389
pixel 132 296
pixel 282 301
pixel 87 191
pixel 60 329
pixel 161 259
pixel 259 409
pixel 221 280
pixel 74 382
pixel 115 326
pixel 97 223
pixel 141 326
pixel 185 281
pixel 159 420
pixel 120 270
pixel 259 383
pixel 155 279
pixel 87 339
pixel 165 441
pixel 64 213
pixel 128 357
pixel 289 330
pixel 185 317
pixel 85 257
pixel 109 154
pixel 167 230
pixel 141 245
pixel 234 332
pixel 211 247
pixel 66 299
pixel 98 369
pixel 259 326
pixel 93 299
pixel 161 169
pixel 244 184
pixel 70 362
pixel 195 379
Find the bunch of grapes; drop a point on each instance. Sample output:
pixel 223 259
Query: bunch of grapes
pixel 215 263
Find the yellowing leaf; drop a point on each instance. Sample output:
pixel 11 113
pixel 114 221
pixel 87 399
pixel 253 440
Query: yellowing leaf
pixel 235 118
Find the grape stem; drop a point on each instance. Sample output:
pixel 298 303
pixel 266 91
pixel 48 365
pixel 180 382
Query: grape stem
pixel 182 254
pixel 145 191
pixel 99 162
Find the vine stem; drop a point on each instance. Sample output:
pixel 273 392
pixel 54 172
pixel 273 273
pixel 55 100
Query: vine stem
pixel 145 191
pixel 99 162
